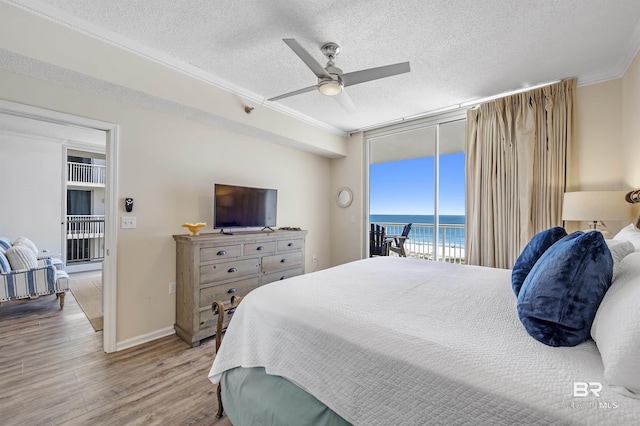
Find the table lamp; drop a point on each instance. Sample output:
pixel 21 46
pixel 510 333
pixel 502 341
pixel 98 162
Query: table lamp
pixel 596 207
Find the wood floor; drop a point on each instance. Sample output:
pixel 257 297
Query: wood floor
pixel 53 371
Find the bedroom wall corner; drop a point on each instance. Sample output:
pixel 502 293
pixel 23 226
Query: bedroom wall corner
pixel 631 124
pixel 595 155
pixel 347 223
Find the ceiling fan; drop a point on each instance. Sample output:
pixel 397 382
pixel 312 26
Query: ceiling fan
pixel 331 79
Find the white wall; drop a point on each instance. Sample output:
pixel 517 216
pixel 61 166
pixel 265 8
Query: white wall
pixel 31 202
pixel 347 223
pixel 595 157
pixel 169 166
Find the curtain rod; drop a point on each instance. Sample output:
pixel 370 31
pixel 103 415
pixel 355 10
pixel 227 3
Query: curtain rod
pixel 457 106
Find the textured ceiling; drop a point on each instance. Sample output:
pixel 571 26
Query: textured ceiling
pixel 459 51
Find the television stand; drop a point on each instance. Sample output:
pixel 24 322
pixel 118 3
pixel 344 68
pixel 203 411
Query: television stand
pixel 225 233
pixel 267 227
pixel 212 266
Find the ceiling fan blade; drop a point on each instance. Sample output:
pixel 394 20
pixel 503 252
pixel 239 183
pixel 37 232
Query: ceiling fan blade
pixel 297 92
pixel 345 102
pixel 317 69
pixel 362 76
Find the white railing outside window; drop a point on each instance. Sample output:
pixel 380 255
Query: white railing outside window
pixel 420 245
pixel 88 174
pixel 85 238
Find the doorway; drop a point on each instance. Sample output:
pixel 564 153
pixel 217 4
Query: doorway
pixel 39 118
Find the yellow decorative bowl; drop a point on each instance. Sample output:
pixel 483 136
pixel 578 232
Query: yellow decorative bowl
pixel 194 227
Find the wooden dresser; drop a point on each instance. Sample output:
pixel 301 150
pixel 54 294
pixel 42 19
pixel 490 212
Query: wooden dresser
pixel 216 266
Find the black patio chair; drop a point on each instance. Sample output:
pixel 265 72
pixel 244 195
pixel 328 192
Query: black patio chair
pixel 378 242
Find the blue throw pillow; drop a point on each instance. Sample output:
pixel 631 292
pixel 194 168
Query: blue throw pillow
pixel 5 266
pixel 560 296
pixel 532 252
pixel 5 243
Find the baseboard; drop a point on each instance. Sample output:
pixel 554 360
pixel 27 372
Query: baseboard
pixel 144 338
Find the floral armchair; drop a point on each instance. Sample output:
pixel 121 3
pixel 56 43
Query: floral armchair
pixel 24 276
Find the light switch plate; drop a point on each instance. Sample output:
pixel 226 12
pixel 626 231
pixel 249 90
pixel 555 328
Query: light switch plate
pixel 128 222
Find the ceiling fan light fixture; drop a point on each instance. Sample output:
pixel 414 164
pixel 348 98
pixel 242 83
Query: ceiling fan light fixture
pixel 330 87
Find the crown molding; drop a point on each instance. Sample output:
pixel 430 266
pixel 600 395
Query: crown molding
pixel 69 21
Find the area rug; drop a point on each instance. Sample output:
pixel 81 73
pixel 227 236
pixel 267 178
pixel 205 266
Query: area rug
pixel 87 290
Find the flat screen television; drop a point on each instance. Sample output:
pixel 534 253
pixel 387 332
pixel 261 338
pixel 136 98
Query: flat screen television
pixel 243 207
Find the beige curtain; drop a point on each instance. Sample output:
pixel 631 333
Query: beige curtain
pixel 516 156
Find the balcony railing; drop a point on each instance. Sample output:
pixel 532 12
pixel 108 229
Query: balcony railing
pixel 85 238
pixel 420 245
pixel 86 174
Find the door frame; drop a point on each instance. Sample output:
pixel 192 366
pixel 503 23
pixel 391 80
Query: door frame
pixel 109 268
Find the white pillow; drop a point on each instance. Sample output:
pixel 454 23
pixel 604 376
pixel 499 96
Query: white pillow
pixel 21 257
pixel 24 241
pixel 619 250
pixel 616 329
pixel 630 233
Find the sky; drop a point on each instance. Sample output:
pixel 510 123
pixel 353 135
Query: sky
pixel 406 187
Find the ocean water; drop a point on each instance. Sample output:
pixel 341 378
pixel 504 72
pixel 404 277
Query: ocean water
pixel 424 234
pixel 417 218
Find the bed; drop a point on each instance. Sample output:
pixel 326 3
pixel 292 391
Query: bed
pixel 392 340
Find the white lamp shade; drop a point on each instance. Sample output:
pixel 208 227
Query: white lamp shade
pixel 596 206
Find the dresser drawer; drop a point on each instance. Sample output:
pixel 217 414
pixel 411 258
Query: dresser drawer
pixel 281 261
pixel 229 270
pixel 292 244
pixel 215 253
pixel 281 275
pixel 260 248
pixel 223 292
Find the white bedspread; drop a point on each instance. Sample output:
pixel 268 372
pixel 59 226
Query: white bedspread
pixel 401 341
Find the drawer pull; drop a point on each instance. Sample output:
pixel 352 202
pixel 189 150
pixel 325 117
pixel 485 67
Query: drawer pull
pixel 221 253
pixel 232 270
pixel 290 245
pixel 232 290
pixel 283 260
pixel 260 248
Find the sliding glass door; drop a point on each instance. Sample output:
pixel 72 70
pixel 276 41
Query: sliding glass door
pixel 417 176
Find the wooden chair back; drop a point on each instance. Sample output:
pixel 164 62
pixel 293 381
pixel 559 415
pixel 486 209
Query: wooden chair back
pixel 399 240
pixel 224 311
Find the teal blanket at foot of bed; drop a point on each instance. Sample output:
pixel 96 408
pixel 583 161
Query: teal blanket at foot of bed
pixel 252 397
